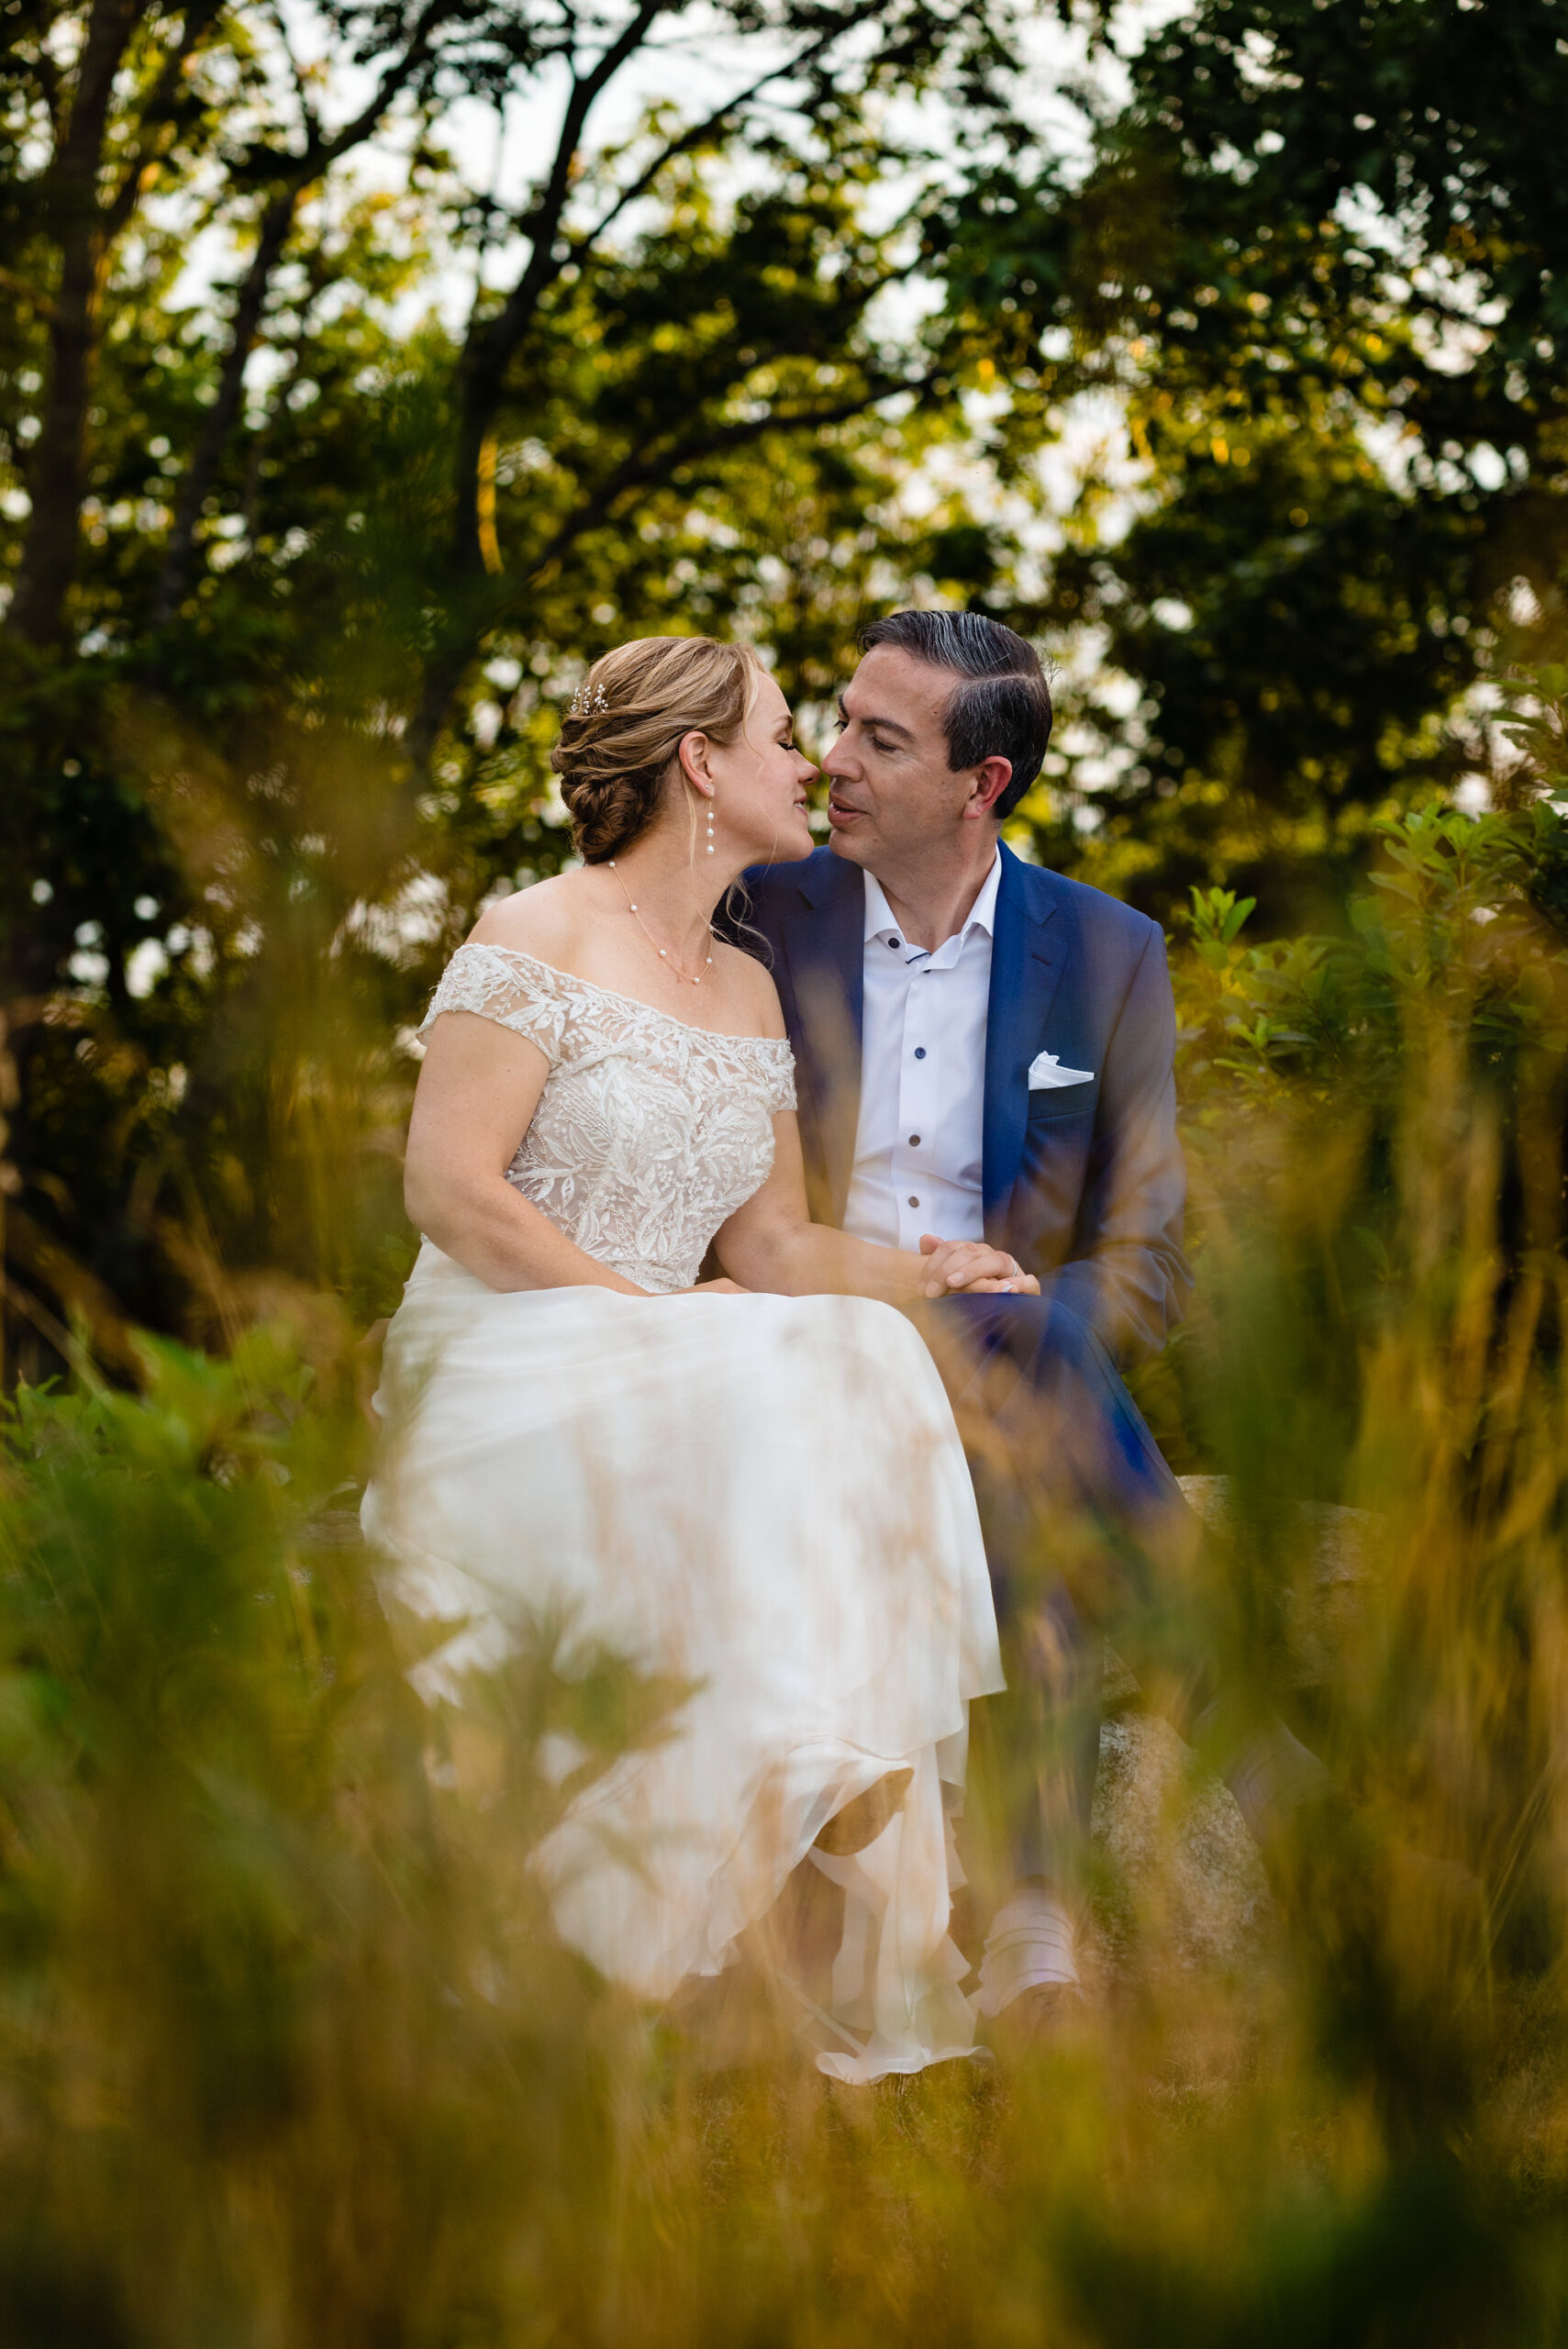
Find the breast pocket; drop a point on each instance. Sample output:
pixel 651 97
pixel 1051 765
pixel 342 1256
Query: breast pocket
pixel 1057 1104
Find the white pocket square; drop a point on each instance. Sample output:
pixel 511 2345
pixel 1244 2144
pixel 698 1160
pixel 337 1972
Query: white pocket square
pixel 1046 1069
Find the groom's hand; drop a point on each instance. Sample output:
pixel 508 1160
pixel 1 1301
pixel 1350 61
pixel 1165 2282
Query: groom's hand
pixel 971 1268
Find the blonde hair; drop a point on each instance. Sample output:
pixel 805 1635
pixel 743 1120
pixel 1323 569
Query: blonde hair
pixel 625 727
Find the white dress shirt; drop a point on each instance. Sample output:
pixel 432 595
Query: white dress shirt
pixel 918 1140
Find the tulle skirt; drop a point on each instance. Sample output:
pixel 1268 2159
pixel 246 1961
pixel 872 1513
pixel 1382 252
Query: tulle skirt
pixel 763 1500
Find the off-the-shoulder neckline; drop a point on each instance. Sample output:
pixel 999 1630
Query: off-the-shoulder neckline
pixel 630 1002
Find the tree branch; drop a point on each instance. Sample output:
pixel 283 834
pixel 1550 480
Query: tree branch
pixel 489 599
pixel 56 472
pixel 395 78
pixel 653 461
pixel 322 149
pixel 179 555
pixel 483 367
pixel 33 296
pixel 495 341
pixel 306 111
pixel 48 75
pixel 155 120
pixel 703 131
pixel 492 345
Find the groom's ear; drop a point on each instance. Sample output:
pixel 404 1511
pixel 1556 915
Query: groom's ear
pixel 989 781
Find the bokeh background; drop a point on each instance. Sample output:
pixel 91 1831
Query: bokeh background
pixel 364 373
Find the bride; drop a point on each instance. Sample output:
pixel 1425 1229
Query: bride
pixel 753 1485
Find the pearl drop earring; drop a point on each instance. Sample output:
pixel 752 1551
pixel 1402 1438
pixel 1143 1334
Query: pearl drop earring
pixel 710 827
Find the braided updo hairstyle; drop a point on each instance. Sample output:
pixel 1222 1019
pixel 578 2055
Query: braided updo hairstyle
pixel 626 726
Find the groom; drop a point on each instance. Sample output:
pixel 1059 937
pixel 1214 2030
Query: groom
pixel 985 1051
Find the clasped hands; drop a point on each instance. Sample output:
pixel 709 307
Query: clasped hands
pixel 971 1268
pixel 954 1268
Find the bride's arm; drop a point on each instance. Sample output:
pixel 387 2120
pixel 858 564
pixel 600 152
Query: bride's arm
pixel 772 1243
pixel 479 1086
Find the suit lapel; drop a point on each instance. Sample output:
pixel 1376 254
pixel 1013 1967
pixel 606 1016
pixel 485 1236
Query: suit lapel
pixel 1029 951
pixel 824 945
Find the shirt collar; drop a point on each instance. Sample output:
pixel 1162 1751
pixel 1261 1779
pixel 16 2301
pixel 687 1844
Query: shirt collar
pixel 882 922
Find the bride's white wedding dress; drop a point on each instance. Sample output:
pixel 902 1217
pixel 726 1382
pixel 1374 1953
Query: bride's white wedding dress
pixel 761 1497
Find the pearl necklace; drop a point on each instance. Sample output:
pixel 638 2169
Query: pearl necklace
pixel 662 951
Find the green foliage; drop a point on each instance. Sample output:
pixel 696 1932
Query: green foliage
pixel 299 571
pixel 284 2048
pixel 1318 267
pixel 1464 920
pixel 302 569
pixel 287 2050
pixel 1443 1008
pixel 1464 938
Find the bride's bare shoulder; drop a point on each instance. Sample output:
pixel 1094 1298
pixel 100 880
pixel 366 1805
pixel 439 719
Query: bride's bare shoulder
pixel 756 984
pixel 549 919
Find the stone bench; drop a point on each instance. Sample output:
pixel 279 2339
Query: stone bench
pixel 1177 1872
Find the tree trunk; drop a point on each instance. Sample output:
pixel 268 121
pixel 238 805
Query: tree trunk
pixel 56 476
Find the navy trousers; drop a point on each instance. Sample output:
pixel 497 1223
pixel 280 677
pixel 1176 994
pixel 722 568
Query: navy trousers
pixel 1082 1518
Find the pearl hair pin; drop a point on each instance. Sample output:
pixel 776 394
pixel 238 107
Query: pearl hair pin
pixel 662 951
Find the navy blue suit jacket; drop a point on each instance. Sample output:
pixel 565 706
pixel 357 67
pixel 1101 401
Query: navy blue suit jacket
pixel 1082 1183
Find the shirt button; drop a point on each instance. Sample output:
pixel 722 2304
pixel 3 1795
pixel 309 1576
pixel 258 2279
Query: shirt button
pixel 892 945
pixel 913 1200
pixel 914 1142
pixel 919 1052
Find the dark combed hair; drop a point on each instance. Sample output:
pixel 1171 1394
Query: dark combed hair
pixel 1001 709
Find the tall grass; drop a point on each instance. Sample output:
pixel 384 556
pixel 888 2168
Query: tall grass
pixel 288 2056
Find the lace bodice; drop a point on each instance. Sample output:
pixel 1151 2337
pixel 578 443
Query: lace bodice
pixel 649 1133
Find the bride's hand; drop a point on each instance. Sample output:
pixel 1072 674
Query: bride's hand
pixel 718 1288
pixel 971 1268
